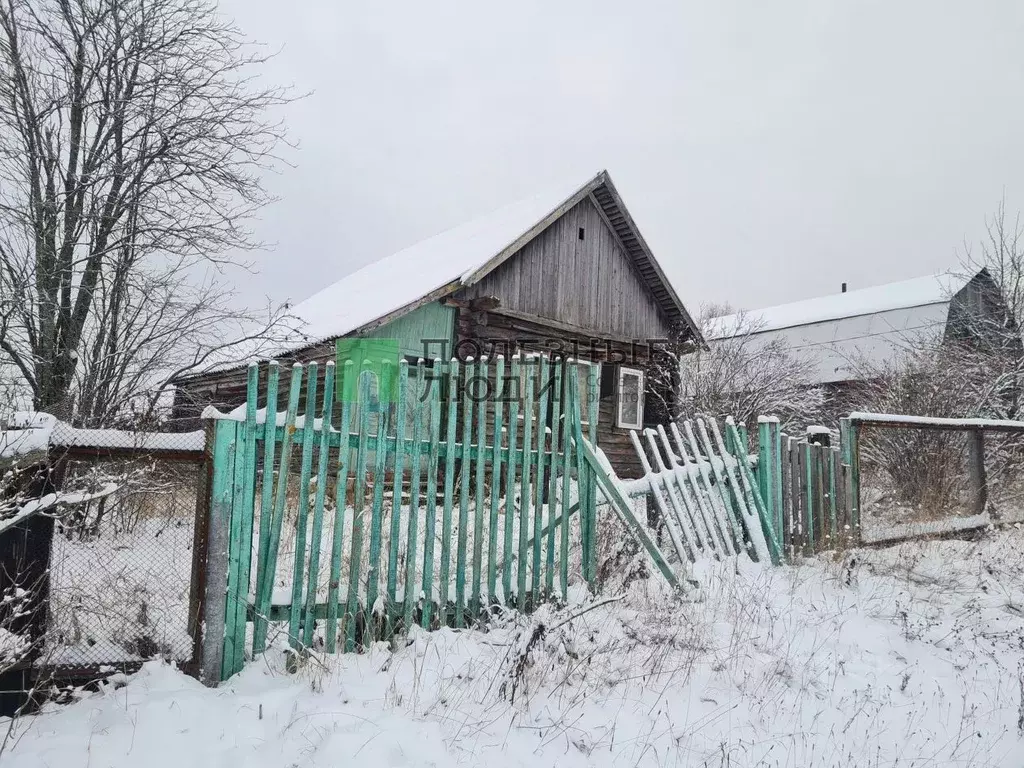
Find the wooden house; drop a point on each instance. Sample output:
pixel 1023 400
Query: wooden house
pixel 566 269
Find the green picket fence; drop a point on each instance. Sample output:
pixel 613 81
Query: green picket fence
pixel 810 488
pixel 354 520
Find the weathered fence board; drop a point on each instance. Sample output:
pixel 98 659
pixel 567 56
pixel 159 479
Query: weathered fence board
pixel 308 558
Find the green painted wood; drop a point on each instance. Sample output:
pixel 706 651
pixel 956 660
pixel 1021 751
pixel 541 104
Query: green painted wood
pixel 430 505
pixel 687 533
pixel 756 504
pixel 855 479
pixel 396 496
pixel 722 485
pixel 830 473
pixel 702 500
pixel 235 551
pixel 411 588
pixel 730 487
pixel 313 575
pixel 433 322
pixel 449 490
pixel 557 394
pixel 622 506
pixel 444 450
pixel 288 440
pixel 338 539
pixel 676 533
pixel 742 493
pixel 259 630
pixel 769 474
pixel 460 552
pixel 380 465
pixel 593 393
pixel 712 495
pixel 682 480
pixel 524 494
pixel 567 506
pixel 302 519
pixel 496 440
pixel 222 482
pixel 508 550
pixel 479 392
pixel 574 431
pixel 540 456
pixel 358 511
pixel 226 440
pixel 773 451
pixel 246 509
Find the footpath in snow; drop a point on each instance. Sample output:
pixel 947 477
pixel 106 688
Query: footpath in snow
pixel 907 656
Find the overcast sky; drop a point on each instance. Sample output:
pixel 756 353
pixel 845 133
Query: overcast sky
pixel 768 151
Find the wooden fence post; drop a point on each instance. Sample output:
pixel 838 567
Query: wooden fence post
pixel 979 483
pixel 768 471
pixel 851 457
pixel 593 393
pixel 211 666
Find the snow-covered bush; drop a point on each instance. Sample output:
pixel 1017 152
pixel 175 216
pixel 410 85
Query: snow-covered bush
pixel 742 376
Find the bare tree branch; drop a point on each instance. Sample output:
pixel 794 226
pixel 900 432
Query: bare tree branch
pixel 133 139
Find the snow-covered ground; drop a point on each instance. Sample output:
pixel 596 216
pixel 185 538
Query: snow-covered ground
pixel 908 656
pixel 121 596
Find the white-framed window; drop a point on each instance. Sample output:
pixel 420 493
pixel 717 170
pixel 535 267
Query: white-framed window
pixel 629 402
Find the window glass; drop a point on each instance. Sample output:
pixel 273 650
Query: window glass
pixel 630 404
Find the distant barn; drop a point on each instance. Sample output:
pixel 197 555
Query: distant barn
pixel 567 267
pixel 847 335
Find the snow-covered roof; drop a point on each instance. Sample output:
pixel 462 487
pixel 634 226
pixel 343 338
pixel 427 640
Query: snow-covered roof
pixel 918 292
pixel 841 335
pixel 461 256
pixel 405 277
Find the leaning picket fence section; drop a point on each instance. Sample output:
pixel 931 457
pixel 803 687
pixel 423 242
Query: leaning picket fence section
pixel 713 499
pixel 356 519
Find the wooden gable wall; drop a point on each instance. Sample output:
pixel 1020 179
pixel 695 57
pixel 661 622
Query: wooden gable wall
pixel 589 283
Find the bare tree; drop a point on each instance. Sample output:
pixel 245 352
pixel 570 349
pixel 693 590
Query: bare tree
pixel 972 367
pixel 1001 254
pixel 133 137
pixel 745 376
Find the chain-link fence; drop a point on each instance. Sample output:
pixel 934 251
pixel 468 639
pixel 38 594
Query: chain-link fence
pixel 121 560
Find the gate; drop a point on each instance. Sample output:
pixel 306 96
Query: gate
pixel 358 518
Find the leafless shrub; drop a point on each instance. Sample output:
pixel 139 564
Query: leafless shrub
pixel 745 376
pixel 974 367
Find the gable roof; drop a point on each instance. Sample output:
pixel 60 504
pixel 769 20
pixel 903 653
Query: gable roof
pixel 840 336
pixel 440 265
pixel 433 268
pixel 905 294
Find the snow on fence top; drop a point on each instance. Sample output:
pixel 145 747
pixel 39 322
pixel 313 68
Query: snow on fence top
pixel 31 432
pixel 891 419
pixel 66 436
